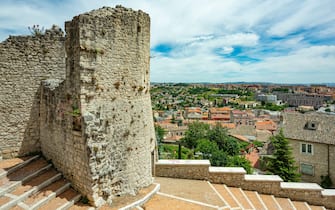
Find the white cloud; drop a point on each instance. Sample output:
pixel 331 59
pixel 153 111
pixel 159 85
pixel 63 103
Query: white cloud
pixel 195 29
pixel 308 14
pixel 226 50
pixel 207 44
pixel 311 64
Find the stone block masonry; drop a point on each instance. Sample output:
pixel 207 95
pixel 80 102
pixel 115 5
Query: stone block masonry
pixel 24 62
pixel 96 126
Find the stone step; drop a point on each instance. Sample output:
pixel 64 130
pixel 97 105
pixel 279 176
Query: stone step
pixel 38 182
pixel 46 194
pixel 301 205
pixel 22 175
pixel 70 203
pixel 4 200
pixel 24 191
pixel 62 201
pixel 255 199
pixel 242 199
pixel 32 183
pixel 317 207
pixel 270 201
pixel 227 195
pixel 81 206
pixel 9 166
pixel 285 203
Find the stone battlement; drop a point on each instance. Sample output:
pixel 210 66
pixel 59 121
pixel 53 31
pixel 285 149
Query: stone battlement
pixel 83 100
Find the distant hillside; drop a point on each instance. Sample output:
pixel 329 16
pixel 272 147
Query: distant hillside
pixel 251 83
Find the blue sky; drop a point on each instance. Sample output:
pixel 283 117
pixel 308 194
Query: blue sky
pixel 285 41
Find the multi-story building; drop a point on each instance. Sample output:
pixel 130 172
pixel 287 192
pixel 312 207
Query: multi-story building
pixel 312 139
pixel 222 114
pixel 270 98
pixel 244 117
pixel 301 99
pixel 193 113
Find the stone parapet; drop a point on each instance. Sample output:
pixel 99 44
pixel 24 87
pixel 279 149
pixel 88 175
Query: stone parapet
pixel 185 169
pixel 310 192
pixel 231 176
pixel 237 177
pixel 267 184
pixel 328 198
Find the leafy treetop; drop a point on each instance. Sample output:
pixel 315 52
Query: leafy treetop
pixel 283 163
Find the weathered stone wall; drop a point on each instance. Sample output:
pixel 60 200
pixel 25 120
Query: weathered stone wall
pixel 102 112
pixel 61 142
pixel 115 100
pixel 332 164
pixel 24 62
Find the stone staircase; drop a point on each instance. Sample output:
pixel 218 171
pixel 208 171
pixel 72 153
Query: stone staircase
pixel 236 198
pixel 33 183
pixel 200 194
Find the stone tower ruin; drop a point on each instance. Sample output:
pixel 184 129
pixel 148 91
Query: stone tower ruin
pixel 95 125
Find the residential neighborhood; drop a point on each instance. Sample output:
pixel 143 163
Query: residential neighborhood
pixel 253 114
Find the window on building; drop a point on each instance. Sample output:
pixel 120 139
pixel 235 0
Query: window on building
pixel 311 125
pixel 307 169
pixel 307 148
pixel 303 148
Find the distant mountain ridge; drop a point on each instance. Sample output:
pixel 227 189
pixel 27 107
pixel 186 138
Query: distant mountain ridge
pixel 251 83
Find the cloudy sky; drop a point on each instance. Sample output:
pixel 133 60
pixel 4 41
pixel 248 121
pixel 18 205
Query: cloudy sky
pixel 286 41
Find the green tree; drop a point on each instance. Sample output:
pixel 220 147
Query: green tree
pixel 283 163
pixel 231 147
pixel 225 143
pixel 258 143
pixel 219 158
pixel 207 147
pixel 216 145
pixel 196 131
pixel 238 161
pixel 326 181
pixel 160 132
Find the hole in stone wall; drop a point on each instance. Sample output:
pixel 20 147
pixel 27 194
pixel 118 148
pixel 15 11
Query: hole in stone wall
pixel 117 85
pixel 138 29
